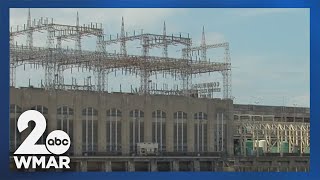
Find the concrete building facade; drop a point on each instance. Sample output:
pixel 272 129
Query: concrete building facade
pixel 114 123
pixel 194 134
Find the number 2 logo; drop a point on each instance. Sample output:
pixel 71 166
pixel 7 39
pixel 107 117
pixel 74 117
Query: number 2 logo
pixel 29 145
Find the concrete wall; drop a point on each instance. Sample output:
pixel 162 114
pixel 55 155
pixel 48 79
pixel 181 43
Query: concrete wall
pixel 281 113
pixel 78 100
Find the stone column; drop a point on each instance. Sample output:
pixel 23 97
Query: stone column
pixel 77 124
pixel 196 165
pixel 147 119
pixel 102 116
pixel 175 165
pixel 169 126
pixel 211 126
pixel 83 166
pixel 125 126
pixel 153 166
pixel 130 166
pixel 229 119
pixel 107 166
pixel 26 104
pixel 190 126
pixel 52 112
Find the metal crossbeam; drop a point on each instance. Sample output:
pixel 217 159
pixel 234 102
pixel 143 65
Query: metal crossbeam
pixel 65 57
pixel 154 40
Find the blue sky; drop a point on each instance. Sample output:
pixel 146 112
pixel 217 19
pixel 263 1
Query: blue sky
pixel 270 48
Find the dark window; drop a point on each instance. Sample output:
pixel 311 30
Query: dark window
pixel 201 115
pixel 15 109
pixel 114 112
pixel 65 110
pixel 180 131
pixel 159 129
pixel 40 108
pixel 89 111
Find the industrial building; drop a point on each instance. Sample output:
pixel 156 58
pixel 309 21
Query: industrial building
pixel 110 124
pixel 188 127
pixel 115 122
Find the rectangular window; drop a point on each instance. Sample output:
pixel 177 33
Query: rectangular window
pixel 84 135
pixel 119 136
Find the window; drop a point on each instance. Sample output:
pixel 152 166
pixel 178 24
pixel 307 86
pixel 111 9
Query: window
pixel 15 109
pixel 200 131
pixel 136 128
pixel 113 130
pixel 64 110
pixel 89 111
pixel 180 131
pixel 159 129
pixel 40 108
pixel 15 136
pixel 114 113
pixel 44 111
pixel 89 130
pixel 220 131
pixel 65 122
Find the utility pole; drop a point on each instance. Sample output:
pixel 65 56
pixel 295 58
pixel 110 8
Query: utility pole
pixel 294 112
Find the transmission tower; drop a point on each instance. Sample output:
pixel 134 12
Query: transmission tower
pixel 30 31
pixel 165 44
pixel 123 49
pixel 78 37
pixel 203 46
pixel 55 59
pixel 49 66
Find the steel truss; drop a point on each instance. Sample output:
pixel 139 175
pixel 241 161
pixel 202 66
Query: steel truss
pixel 256 127
pixel 56 59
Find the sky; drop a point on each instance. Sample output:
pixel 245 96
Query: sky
pixel 269 48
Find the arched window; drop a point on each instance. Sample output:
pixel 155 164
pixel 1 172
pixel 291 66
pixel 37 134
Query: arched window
pixel 180 131
pixel 200 131
pixel 159 129
pixel 65 122
pixel 44 111
pixel 15 136
pixel 136 128
pixel 89 130
pixel 89 111
pixel 40 108
pixel 220 130
pixel 113 130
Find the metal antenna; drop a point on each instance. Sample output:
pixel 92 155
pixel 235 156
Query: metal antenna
pixel 29 31
pixel 78 38
pixel 165 44
pixel 123 49
pixel 203 46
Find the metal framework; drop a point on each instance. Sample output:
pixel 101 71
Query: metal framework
pixel 56 59
pixel 263 127
pixel 226 74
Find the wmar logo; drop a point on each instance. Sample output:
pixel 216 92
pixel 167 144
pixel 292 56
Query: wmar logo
pixel 57 143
